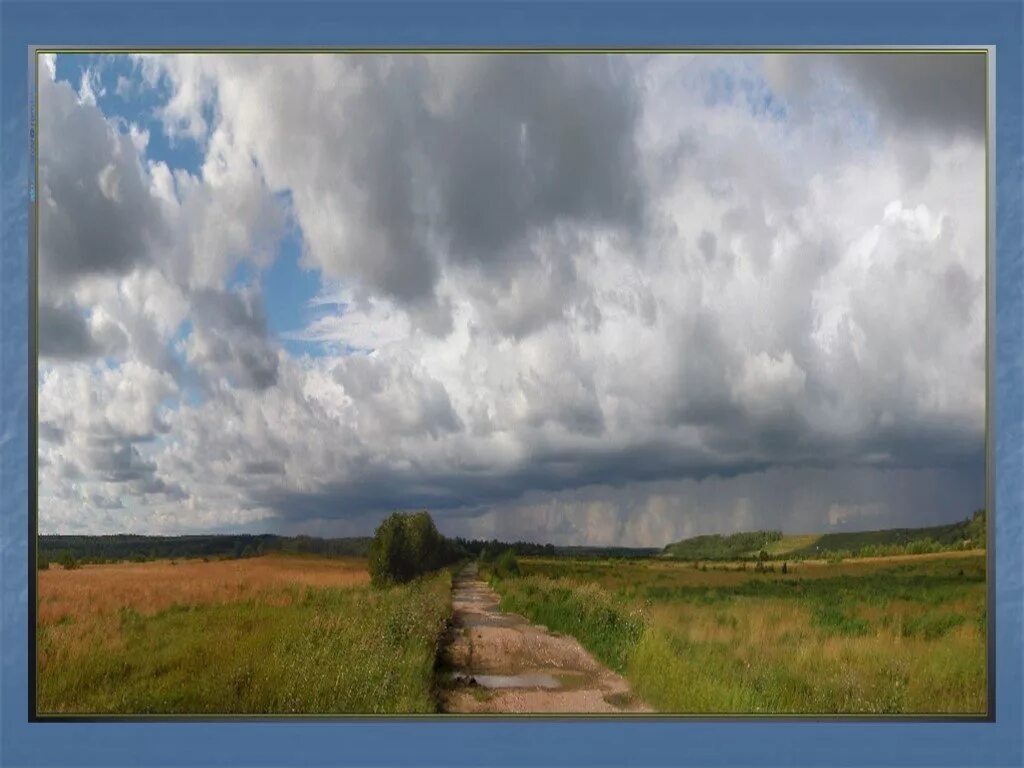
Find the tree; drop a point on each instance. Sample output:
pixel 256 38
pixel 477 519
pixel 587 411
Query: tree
pixel 424 543
pixel 389 560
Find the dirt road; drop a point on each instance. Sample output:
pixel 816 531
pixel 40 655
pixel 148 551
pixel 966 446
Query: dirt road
pixel 500 663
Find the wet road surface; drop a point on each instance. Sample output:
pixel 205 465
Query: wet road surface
pixel 501 663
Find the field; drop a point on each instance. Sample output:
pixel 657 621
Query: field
pixel 272 634
pixel 896 635
pixel 305 634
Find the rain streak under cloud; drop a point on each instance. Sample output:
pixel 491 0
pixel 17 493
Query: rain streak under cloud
pixel 584 299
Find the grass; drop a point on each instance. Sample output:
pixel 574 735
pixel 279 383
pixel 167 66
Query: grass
pixel 791 543
pixel 288 635
pixel 886 636
pixel 604 624
pixel 93 591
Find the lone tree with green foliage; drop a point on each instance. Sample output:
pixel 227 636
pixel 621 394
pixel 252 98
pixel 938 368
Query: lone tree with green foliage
pixel 405 546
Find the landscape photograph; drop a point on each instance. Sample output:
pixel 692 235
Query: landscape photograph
pixel 509 384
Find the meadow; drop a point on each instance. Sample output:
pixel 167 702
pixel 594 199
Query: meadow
pixel 299 633
pixel 886 635
pixel 287 634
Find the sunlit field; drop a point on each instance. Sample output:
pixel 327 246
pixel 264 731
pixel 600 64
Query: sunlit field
pixel 273 634
pixel 900 635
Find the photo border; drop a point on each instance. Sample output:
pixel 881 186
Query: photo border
pixel 32 574
pixel 456 741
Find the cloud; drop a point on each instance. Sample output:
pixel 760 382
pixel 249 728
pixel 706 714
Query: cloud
pixel 228 339
pixel 96 213
pixel 467 161
pixel 927 92
pixel 591 298
pixel 64 333
pixel 937 95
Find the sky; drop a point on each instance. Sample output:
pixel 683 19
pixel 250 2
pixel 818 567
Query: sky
pixel 580 299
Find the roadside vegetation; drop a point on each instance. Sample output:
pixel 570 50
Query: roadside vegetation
pixel 896 637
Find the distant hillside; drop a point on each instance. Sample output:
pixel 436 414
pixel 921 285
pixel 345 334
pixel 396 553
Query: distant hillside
pixel 969 533
pixel 717 547
pixel 132 547
pixel 965 534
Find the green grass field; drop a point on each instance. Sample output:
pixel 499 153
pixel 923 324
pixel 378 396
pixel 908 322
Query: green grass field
pixel 902 636
pixel 287 649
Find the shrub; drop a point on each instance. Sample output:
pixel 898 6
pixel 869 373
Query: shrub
pixel 42 563
pixel 490 552
pixel 506 566
pixel 68 561
pixel 405 546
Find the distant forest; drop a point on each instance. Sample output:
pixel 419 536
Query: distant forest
pixel 86 549
pixel 119 547
pixel 752 545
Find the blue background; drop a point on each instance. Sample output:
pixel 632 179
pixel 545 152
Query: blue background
pixel 594 742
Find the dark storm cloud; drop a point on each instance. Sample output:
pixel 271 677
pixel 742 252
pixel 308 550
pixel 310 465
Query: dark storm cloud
pixel 523 143
pixel 229 338
pixel 912 95
pixel 420 162
pixel 534 140
pixel 63 333
pixel 96 212
pixel 119 463
pixel 380 488
pixel 923 92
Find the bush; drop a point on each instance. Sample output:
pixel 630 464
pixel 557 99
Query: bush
pixel 506 566
pixel 42 564
pixel 405 546
pixel 490 552
pixel 68 561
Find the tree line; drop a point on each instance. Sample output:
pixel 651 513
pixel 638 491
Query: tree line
pixel 120 547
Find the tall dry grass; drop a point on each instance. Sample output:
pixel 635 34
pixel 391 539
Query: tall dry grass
pixel 97 590
pixel 275 634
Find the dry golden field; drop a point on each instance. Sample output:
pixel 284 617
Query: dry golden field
pixel 102 590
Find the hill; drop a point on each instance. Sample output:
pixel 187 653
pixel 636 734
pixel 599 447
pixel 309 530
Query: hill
pixel 965 534
pixel 718 547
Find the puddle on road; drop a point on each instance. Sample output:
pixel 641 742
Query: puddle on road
pixel 527 680
pixel 471 620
